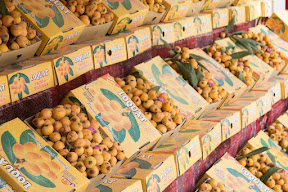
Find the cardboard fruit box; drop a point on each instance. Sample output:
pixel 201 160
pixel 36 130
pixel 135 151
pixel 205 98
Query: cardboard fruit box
pixel 56 25
pixel 119 185
pixel 283 119
pixel 131 128
pixel 249 111
pixel 4 187
pixel 157 71
pixel 220 17
pixel 273 88
pixel 28 77
pixel 163 31
pixel 263 100
pixel 185 148
pixel 234 87
pixel 230 122
pixel 4 90
pixel 283 79
pixel 70 62
pixel 195 8
pixel 183 28
pixel 239 2
pixel 23 150
pixel 14 56
pixel 253 10
pixel 278 24
pixel 156 171
pixel 234 176
pixel 210 4
pixel 153 18
pixel 175 9
pixel 225 3
pixel 209 132
pixel 128 14
pixel 202 24
pixel 239 13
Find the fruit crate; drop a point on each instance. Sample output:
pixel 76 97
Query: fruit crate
pixel 195 8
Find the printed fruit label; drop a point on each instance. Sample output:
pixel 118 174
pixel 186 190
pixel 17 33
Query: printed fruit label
pixel 118 116
pixel 132 46
pixel 234 176
pixel 238 13
pixel 29 164
pixel 202 24
pixel 115 51
pixel 164 31
pixel 210 4
pixel 31 80
pixel 144 37
pixel 178 31
pixel 4 91
pixel 99 55
pixel 220 18
pixel 71 66
pixel 187 28
pixel 115 184
pixel 184 96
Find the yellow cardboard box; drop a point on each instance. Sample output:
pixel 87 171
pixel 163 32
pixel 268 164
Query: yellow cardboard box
pixel 209 132
pixel 128 14
pixel 119 118
pixel 253 10
pixel 278 24
pixel 4 90
pixel 273 88
pixel 28 77
pixel 263 100
pixel 225 3
pixel 56 25
pixel 233 175
pixel 240 2
pixel 183 28
pixel 18 141
pixel 70 62
pixel 230 122
pixel 220 17
pixel 239 13
pixel 283 119
pixel 119 185
pixel 163 31
pixel 185 148
pixel 195 8
pixel 283 79
pixel 175 9
pixel 210 4
pixel 157 71
pixel 202 24
pixel 234 87
pixel 4 187
pixel 248 111
pixel 156 171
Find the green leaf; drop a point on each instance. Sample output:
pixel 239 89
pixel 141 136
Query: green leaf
pixel 255 48
pixel 164 146
pixel 241 77
pixel 270 172
pixel 127 4
pixel 237 174
pixel 134 131
pixel 230 26
pixel 71 71
pixel 25 77
pixel 157 88
pixel 238 32
pixel 3 9
pixel 255 152
pixel 171 52
pixel 188 73
pixel 166 44
pixel 200 75
pixel 58 19
pixel 111 96
pixel 129 174
pixel 40 180
pixel 48 148
pixel 66 77
pixel 197 57
pixel 42 22
pixel 137 73
pixel 240 54
pixel 26 90
pixel 244 43
pixel 11 80
pixel 251 41
pixel 20 95
pixel 119 135
pixel 8 141
pixel 104 188
pixel 142 163
pixel 25 137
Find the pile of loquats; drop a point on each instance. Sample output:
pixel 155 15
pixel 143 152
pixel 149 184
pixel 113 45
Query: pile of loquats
pixel 269 54
pixel 14 33
pixel 207 87
pixel 72 135
pixel 278 133
pixel 158 108
pixel 222 56
pixel 154 5
pixel 211 185
pixel 90 12
pixel 259 164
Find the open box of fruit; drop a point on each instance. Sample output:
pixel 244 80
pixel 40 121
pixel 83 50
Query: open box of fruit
pixel 155 13
pixel 195 7
pixel 18 41
pixel 175 9
pixel 158 108
pixel 211 185
pixel 93 14
pixel 68 130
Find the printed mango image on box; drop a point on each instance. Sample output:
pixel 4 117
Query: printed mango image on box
pixel 278 24
pixel 185 97
pixel 202 23
pixel 28 163
pixel 163 31
pixel 238 13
